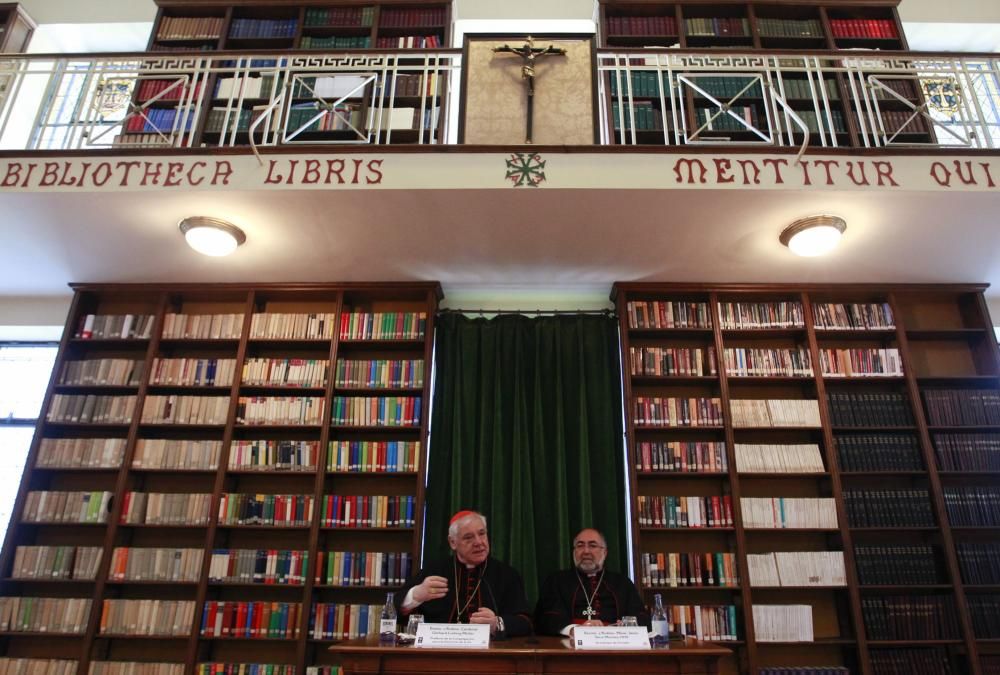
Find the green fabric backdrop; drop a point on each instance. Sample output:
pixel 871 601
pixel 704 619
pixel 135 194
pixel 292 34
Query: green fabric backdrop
pixel 527 428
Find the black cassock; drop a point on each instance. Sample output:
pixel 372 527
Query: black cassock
pixel 493 584
pixel 563 600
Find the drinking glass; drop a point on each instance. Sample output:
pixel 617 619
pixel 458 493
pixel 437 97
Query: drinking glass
pixel 629 621
pixel 411 625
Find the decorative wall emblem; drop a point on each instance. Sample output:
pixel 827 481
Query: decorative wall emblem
pixel 113 96
pixel 525 168
pixel 942 94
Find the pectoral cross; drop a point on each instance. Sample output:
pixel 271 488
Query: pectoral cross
pixel 589 613
pixel 529 53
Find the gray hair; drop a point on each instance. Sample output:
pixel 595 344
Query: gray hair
pixel 453 528
pixel 604 542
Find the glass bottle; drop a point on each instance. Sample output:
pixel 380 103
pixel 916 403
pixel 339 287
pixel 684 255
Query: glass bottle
pixel 387 623
pixel 660 625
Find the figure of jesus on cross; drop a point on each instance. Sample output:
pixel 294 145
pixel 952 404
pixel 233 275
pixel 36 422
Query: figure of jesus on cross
pixel 529 53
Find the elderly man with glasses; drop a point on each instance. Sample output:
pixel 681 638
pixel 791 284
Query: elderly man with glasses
pixel 587 594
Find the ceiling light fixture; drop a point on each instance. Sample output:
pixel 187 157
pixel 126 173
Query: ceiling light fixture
pixel 211 236
pixel 813 236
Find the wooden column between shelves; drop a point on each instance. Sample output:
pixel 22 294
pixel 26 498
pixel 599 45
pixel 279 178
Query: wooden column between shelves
pixel 937 495
pixel 734 486
pixel 833 467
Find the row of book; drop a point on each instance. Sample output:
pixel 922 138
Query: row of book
pixel 853 316
pixel 259 566
pixel 247 88
pixel 656 411
pixel 778 458
pixel 190 28
pixel 922 661
pixel 409 42
pixel 184 455
pixel 725 117
pixel 642 115
pixel 193 372
pixel 56 562
pixel 69 453
pixel 160 120
pixel 789 512
pixel 155 564
pixel 363 568
pixel 381 411
pixel 705 622
pixel 749 413
pixel 861 362
pixel 803 670
pixel 967 452
pixel 337 17
pixel 266 509
pixel 926 617
pixel 985 612
pixel 383 326
pixel 972 506
pixel 158 508
pixel 412 84
pixel 643 314
pixel 878 452
pixel 44 615
pixel 754 315
pixel 660 361
pixel 342 621
pixel 719 26
pixel 884 29
pixel 916 565
pixel 167 90
pixel 962 407
pixel 905 88
pixel 410 17
pixel 91 409
pixel 287 326
pixel 783 623
pixel 107 372
pixel 373 456
pixel 274 455
pixel 641 25
pixel 45 506
pixel 768 362
pixel 809 28
pixel 681 512
pixel 367 511
pixel 888 508
pixel 979 562
pixel 202 326
pixel 380 373
pixel 247 29
pixel 681 570
pixel 681 457
pixel 814 122
pixel 260 620
pixel 178 409
pixel 797 568
pixel 813 90
pixel 280 410
pixel 652 84
pixel 877 409
pixel 335 42
pixel 725 87
pixel 902 121
pixel 263 372
pixel 315 117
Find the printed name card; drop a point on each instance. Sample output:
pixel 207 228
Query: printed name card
pixel 610 637
pixel 454 635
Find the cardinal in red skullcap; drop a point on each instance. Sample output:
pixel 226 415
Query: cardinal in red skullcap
pixel 470 586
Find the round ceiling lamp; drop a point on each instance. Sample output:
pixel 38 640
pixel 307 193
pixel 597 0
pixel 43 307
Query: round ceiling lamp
pixel 813 236
pixel 211 236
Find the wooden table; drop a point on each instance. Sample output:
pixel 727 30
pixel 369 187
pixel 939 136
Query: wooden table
pixel 526 656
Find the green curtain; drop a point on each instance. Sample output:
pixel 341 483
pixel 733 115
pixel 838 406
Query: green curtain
pixel 527 428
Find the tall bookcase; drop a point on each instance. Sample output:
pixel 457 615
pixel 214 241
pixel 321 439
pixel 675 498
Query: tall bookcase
pixel 275 28
pixel 900 391
pixel 771 26
pixel 240 433
pixel 16 28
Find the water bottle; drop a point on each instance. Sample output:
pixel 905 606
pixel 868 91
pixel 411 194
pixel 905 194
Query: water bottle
pixel 387 623
pixel 661 628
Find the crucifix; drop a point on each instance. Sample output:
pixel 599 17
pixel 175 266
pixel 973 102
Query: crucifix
pixel 529 53
pixel 589 613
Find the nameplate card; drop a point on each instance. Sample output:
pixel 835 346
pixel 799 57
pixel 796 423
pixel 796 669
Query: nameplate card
pixel 610 637
pixel 454 635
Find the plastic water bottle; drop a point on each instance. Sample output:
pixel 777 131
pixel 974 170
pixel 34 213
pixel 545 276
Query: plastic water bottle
pixel 387 623
pixel 661 628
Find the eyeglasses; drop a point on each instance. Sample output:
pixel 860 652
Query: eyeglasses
pixel 580 545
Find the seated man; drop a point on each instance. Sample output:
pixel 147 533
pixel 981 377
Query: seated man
pixel 588 594
pixel 470 586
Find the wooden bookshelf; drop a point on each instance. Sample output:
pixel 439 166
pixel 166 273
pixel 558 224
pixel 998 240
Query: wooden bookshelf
pixel 16 28
pixel 138 455
pixel 771 26
pixel 885 438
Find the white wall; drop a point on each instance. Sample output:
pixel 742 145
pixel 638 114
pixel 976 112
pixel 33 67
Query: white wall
pixel 90 11
pixel 956 11
pixel 33 318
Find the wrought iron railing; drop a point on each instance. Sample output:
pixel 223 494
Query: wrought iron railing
pixel 647 96
pixel 224 99
pixel 825 99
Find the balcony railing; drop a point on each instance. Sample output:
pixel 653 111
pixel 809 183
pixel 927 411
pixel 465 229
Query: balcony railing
pixel 663 97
